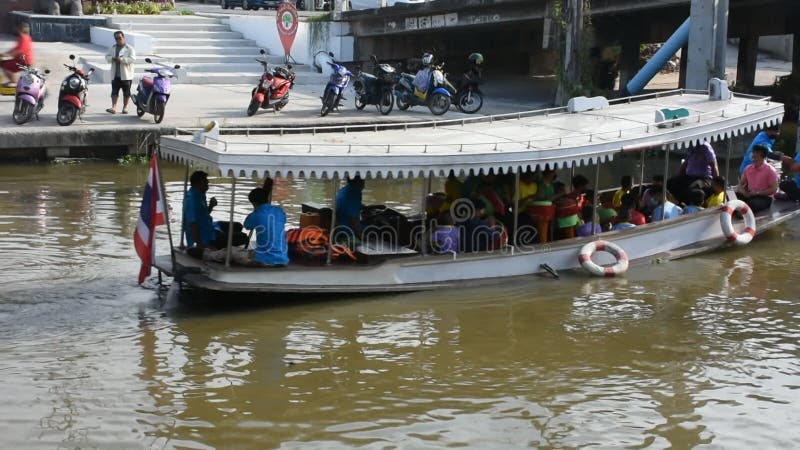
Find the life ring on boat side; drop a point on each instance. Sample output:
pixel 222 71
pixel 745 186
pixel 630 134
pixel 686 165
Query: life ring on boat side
pixel 725 220
pixel 585 258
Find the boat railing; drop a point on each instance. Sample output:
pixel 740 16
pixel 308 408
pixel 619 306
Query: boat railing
pixel 577 139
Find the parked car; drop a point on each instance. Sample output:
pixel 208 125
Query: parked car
pixel 250 4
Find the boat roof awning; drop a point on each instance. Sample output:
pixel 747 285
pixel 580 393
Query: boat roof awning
pixel 555 138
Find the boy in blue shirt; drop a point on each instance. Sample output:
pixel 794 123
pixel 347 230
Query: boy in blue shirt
pixel 269 223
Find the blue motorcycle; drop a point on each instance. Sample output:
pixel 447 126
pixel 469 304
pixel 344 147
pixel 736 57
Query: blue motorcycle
pixel 339 80
pixel 429 88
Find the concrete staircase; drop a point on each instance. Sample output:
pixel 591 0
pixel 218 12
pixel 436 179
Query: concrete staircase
pixel 205 48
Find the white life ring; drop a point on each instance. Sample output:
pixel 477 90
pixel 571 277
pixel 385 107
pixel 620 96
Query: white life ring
pixel 726 222
pixel 585 258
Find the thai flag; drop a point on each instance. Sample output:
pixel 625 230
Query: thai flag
pixel 151 215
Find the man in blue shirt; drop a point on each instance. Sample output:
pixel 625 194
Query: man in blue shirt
pixel 197 212
pixel 269 223
pixel 792 186
pixel 765 138
pixel 348 208
pixel 672 210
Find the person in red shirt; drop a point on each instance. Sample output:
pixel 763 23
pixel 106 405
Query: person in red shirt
pixel 22 53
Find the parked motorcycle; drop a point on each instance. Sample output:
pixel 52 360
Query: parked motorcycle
pixel 152 93
pixel 469 98
pixel 273 88
pixel 376 89
pixel 429 87
pixel 30 94
pixel 339 80
pixel 72 95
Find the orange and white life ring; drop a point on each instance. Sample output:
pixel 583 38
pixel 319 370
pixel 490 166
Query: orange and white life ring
pixel 726 222
pixel 585 258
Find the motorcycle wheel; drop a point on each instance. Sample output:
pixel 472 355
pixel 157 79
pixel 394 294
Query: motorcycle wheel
pixel 469 102
pixel 439 104
pixel 66 115
pixel 360 103
pixel 139 112
pixel 23 111
pixel 386 103
pixel 158 111
pixel 281 104
pixel 402 105
pixel 327 102
pixel 253 107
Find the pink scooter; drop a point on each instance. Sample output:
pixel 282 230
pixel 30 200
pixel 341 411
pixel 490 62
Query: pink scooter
pixel 31 92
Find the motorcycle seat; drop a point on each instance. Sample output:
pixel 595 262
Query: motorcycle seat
pixel 147 82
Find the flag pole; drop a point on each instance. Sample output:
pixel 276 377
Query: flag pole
pixel 163 200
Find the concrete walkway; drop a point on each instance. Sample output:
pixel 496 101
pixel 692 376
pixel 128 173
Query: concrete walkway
pixel 196 105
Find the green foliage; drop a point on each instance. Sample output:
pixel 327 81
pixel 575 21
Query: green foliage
pixel 131 160
pixel 584 85
pixel 327 17
pixel 185 12
pixel 130 7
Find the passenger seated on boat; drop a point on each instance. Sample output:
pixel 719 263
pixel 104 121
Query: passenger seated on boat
pixel 672 210
pixel 791 187
pixel 546 190
pixel 634 216
pixel 568 207
pixel 695 201
pixel 269 223
pixel 696 172
pixel 648 202
pixel 480 232
pixel 348 212
pixel 759 181
pixel 198 227
pixel 495 195
pixel 528 188
pixel 453 188
pixel 717 196
pixel 623 220
pixel 625 185
pixel 589 225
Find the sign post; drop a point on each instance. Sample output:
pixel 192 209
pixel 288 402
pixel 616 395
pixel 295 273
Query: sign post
pixel 286 20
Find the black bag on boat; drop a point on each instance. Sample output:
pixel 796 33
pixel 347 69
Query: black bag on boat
pixel 386 224
pixel 221 234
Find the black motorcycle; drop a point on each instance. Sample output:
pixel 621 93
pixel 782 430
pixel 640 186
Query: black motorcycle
pixel 469 98
pixel 376 89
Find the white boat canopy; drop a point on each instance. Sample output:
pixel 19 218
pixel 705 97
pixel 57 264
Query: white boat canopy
pixel 555 138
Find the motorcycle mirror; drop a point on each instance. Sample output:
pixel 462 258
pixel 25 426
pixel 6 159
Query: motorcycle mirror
pixel 148 60
pixel 263 52
pixel 177 66
pixel 91 71
pixel 72 57
pixel 330 54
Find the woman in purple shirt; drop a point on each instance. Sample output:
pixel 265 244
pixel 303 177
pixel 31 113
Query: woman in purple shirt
pixel 696 172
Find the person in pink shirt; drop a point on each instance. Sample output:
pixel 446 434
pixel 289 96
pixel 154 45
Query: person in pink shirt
pixel 759 181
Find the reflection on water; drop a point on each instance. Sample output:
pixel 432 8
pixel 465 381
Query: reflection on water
pixel 679 354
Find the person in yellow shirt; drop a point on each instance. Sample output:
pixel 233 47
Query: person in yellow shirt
pixel 626 183
pixel 528 187
pixel 717 198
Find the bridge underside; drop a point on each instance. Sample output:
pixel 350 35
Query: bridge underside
pixel 510 33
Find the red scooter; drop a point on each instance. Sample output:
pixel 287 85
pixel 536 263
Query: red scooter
pixel 273 88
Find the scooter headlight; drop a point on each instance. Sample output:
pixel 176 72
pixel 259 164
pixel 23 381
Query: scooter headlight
pixel 74 83
pixel 27 79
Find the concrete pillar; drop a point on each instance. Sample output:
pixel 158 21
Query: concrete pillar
pixel 721 39
pixel 628 60
pixel 701 43
pixel 796 55
pixel 573 43
pixel 684 65
pixel 746 64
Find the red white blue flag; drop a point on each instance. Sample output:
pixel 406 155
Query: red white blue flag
pixel 151 215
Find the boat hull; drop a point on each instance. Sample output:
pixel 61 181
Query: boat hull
pixel 671 239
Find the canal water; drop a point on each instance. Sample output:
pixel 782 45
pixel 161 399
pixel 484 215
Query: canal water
pixel 697 352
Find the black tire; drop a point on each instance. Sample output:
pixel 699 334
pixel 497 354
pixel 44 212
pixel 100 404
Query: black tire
pixel 386 102
pixel 439 104
pixel 23 112
pixel 401 104
pixel 360 103
pixel 252 108
pixel 469 102
pixel 158 110
pixel 281 104
pixel 139 112
pixel 224 4
pixel 328 100
pixel 66 115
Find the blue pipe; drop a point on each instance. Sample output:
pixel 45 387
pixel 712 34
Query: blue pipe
pixel 678 39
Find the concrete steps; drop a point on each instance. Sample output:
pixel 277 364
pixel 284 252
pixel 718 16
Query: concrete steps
pixel 205 48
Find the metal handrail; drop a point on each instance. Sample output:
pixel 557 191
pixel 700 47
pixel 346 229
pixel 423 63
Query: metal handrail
pixel 526 144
